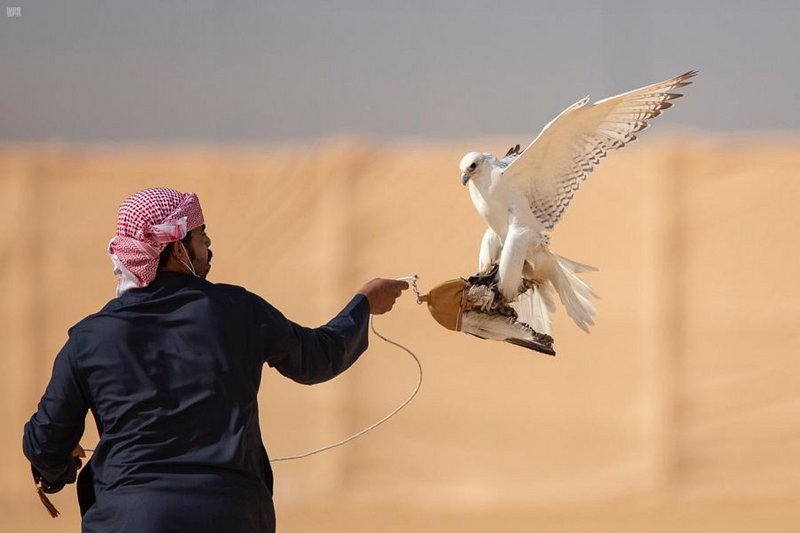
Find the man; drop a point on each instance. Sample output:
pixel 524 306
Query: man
pixel 170 370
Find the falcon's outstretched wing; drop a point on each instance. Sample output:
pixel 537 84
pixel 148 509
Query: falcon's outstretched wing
pixel 551 169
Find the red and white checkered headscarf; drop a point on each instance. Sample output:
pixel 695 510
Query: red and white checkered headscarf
pixel 147 221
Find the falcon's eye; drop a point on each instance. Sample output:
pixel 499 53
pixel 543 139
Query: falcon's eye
pixel 472 166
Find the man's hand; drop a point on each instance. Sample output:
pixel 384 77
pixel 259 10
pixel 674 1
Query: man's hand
pixel 382 294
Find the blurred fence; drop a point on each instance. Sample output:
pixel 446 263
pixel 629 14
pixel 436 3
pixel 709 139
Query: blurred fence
pixel 686 388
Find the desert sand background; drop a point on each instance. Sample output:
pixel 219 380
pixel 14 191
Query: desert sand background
pixel 679 412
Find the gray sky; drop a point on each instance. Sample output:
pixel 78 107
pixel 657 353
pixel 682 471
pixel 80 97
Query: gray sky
pixel 237 70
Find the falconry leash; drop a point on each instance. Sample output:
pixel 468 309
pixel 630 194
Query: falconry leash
pixel 412 280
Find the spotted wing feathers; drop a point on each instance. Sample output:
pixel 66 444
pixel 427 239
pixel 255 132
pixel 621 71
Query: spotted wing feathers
pixel 551 169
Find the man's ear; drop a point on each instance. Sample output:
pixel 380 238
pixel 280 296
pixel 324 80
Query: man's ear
pixel 179 251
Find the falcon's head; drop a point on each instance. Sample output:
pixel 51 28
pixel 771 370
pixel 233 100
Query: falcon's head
pixel 472 165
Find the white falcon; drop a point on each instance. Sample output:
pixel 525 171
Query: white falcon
pixel 523 196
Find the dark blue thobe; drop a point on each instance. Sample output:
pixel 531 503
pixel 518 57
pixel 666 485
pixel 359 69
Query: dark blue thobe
pixel 171 373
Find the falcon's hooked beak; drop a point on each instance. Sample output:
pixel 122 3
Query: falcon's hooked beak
pixel 464 178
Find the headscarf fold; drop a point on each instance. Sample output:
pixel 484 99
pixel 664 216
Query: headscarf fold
pixel 147 221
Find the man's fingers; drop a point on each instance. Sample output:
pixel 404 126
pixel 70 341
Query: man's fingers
pixel 382 294
pixel 402 284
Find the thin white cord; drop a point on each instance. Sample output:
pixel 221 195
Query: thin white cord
pixel 379 422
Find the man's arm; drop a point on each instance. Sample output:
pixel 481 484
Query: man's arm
pixel 311 356
pixel 54 430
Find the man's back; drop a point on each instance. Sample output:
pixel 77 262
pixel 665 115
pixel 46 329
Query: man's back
pixel 177 359
pixel 172 373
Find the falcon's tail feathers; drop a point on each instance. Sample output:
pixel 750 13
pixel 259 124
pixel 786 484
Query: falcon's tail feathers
pixel 575 294
pixel 576 267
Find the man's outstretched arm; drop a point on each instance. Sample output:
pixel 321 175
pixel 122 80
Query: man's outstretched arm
pixel 315 355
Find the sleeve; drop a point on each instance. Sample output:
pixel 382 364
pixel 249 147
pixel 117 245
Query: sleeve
pixel 308 355
pixel 57 426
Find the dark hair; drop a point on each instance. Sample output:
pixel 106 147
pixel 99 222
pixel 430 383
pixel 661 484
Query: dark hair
pixel 163 259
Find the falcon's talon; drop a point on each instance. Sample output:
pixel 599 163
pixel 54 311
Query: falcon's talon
pixel 488 276
pixel 489 302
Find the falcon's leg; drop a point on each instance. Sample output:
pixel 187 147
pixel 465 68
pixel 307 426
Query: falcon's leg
pixel 491 246
pixel 512 260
